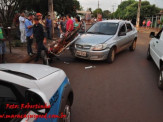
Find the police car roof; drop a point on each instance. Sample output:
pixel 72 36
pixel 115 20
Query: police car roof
pixel 31 71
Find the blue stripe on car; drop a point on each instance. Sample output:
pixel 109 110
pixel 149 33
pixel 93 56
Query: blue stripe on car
pixel 55 103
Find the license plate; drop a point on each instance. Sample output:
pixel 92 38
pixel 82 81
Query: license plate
pixel 80 53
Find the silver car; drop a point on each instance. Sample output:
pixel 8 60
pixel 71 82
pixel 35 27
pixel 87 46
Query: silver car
pixel 104 39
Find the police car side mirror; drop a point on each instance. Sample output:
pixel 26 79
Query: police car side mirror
pixel 37 101
pixel 152 35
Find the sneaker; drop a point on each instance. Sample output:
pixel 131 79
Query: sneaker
pixel 30 54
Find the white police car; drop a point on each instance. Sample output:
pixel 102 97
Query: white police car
pixel 155 52
pixel 34 85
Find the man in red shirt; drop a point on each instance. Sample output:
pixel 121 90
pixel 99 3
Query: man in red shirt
pixel 69 24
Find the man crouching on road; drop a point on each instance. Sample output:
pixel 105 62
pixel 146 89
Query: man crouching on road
pixel 38 33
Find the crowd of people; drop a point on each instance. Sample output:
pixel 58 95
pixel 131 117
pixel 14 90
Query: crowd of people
pixel 34 27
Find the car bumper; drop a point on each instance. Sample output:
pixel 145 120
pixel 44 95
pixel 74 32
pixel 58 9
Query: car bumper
pixel 93 55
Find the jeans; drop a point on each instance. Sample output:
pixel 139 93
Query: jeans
pixel 29 45
pixel 49 32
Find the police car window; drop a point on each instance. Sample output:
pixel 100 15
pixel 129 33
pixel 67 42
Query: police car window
pixel 129 27
pixel 7 97
pixel 6 92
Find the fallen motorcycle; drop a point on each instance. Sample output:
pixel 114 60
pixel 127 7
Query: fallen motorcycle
pixel 56 48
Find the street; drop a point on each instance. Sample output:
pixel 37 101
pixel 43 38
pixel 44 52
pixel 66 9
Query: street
pixel 125 91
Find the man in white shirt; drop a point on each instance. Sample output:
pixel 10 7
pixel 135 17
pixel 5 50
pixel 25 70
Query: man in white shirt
pixel 22 27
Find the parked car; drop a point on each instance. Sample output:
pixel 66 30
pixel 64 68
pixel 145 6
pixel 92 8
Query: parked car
pixel 23 84
pixel 155 52
pixel 104 39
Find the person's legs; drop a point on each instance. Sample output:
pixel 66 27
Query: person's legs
pixel 29 45
pixel 39 49
pixel 23 37
pixel 49 36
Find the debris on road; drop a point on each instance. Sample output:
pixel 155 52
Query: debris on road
pixel 66 63
pixel 90 67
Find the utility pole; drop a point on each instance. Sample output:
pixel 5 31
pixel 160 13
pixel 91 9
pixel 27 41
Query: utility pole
pixel 98 4
pixel 138 15
pixel 51 13
pixel 113 7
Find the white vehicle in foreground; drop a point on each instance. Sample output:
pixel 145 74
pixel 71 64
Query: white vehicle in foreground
pixel 24 88
pixel 155 51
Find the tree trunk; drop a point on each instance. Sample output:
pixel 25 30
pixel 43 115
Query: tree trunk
pixel 51 13
pixel 138 15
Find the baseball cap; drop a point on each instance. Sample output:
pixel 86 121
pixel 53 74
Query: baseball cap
pixel 38 14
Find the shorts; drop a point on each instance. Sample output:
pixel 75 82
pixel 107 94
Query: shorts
pixel 2 48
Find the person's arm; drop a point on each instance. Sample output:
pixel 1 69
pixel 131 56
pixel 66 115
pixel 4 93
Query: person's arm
pixel 28 25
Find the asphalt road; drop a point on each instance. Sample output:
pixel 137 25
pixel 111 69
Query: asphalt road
pixel 125 91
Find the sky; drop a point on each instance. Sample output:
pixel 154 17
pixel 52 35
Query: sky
pixel 108 4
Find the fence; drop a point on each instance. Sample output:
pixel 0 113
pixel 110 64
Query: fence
pixel 154 20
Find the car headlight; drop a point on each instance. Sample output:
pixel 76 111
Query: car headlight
pixel 99 47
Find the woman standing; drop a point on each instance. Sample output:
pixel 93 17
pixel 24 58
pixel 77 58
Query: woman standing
pixel 77 22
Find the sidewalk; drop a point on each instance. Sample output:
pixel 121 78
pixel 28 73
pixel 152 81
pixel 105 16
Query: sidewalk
pixel 18 55
pixel 145 30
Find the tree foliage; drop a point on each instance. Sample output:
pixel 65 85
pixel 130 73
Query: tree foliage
pixel 97 11
pixel 7 11
pixel 62 7
pixel 128 10
pixel 9 7
pixel 106 14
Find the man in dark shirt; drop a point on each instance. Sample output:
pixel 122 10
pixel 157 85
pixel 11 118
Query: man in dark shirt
pixel 38 33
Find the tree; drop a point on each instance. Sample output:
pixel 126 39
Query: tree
pixel 128 10
pixel 138 14
pixel 9 7
pixel 106 14
pixel 97 11
pixel 63 7
pixel 90 9
pixel 7 11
